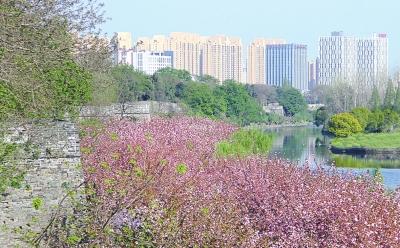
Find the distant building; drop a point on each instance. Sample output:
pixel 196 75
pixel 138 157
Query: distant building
pixel 287 63
pixel 353 60
pixel 312 72
pixel 256 59
pixel 217 56
pixel 149 62
pixel 121 43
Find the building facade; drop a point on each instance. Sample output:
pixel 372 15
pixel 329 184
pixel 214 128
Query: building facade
pixel 256 59
pixel 287 64
pixel 150 62
pixel 217 56
pixel 353 60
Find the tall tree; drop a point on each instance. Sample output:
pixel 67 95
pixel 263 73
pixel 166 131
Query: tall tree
pixel 39 37
pixel 375 100
pixel 389 96
pixel 292 100
pixel 396 104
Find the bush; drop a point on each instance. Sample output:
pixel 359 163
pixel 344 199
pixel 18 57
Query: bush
pixel 246 142
pixel 321 116
pixel 362 115
pixel 159 184
pixel 383 121
pixel 292 100
pixel 343 125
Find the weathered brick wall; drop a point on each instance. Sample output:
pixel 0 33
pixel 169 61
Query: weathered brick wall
pixel 143 110
pixel 52 165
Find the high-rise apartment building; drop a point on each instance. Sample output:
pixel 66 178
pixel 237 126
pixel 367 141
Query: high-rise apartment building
pixel 221 58
pixel 256 59
pixel 218 56
pixel 123 40
pixel 287 63
pixel 312 74
pixel 353 60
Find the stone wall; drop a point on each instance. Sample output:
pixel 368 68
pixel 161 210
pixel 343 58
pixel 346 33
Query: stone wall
pixel 142 110
pixel 52 165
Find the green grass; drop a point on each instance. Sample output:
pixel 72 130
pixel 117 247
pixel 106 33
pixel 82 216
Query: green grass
pixel 244 143
pixel 373 141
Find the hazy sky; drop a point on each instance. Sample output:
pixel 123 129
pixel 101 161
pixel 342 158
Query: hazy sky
pixel 297 21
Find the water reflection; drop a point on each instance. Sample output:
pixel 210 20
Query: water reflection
pixel 301 144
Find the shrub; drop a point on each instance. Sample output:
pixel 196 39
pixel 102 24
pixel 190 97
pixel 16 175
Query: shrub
pixel 321 116
pixel 362 115
pixel 159 184
pixel 246 142
pixel 343 125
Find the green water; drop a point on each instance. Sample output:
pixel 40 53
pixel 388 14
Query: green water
pixel 308 144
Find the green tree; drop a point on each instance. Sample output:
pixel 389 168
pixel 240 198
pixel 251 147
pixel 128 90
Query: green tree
pixel 202 101
pixel 71 86
pixel 362 115
pixel 241 107
pixel 389 96
pixel 292 100
pixel 207 79
pixel 132 85
pixel 321 116
pixel 375 121
pixel 166 82
pixel 343 125
pixel 375 100
pixel 396 105
pixel 37 38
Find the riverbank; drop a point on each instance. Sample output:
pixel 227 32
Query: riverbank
pixel 384 144
pixel 268 126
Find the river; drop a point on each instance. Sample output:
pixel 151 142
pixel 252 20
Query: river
pixel 301 144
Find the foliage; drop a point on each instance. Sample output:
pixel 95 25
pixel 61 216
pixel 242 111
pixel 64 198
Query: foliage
pixel 383 121
pixel 321 116
pixel 227 202
pixel 37 203
pixel 132 85
pixel 373 140
pixel 396 104
pixel 263 93
pixel 303 116
pixel 390 96
pixel 275 119
pixel 207 79
pixel 343 125
pixel 362 115
pixel 10 175
pixel 105 89
pixel 165 82
pixel 292 100
pixel 339 97
pixel 241 107
pixel 9 105
pixel 202 100
pixel 375 100
pixel 71 88
pixel 244 143
pixel 37 42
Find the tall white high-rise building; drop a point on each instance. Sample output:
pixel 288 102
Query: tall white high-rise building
pixel 361 61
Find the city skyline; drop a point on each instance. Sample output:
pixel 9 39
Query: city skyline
pixel 301 22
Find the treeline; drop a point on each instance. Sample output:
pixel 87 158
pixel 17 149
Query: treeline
pixel 202 96
pixel 378 116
